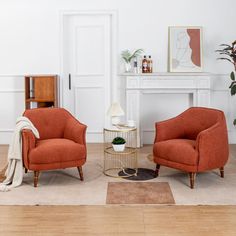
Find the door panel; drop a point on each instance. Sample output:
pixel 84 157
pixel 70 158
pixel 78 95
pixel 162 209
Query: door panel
pixel 91 115
pixel 87 58
pixel 89 55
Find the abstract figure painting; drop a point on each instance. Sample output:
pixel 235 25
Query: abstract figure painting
pixel 185 49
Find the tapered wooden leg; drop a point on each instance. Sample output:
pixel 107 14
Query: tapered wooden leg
pixel 26 170
pixel 36 178
pixel 80 173
pixel 157 170
pixel 222 175
pixel 192 179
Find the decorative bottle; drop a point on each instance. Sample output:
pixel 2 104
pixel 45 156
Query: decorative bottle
pixel 144 65
pixel 149 64
pixel 136 69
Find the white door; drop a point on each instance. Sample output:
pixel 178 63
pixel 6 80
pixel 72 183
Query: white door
pixel 87 70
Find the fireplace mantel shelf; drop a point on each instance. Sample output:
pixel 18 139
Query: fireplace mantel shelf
pixel 168 74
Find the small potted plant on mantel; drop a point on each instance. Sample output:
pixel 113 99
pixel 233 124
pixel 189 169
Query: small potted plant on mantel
pixel 229 54
pixel 118 144
pixel 128 56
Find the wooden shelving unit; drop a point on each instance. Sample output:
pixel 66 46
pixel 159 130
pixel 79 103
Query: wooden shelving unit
pixel 41 91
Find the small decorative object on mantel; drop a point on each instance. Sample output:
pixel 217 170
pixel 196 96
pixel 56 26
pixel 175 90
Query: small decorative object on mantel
pixel 185 49
pixel 128 56
pixel 118 144
pixel 144 64
pixel 147 64
pixel 228 53
pixel 150 64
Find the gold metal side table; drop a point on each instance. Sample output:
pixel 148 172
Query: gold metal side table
pixel 120 164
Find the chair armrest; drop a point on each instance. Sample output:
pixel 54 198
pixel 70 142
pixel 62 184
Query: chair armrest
pixel 28 143
pixel 75 131
pixel 212 145
pixel 169 129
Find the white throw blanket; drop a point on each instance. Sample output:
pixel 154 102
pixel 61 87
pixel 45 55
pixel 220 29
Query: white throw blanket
pixel 14 172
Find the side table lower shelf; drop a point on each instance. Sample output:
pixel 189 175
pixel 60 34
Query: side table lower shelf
pixel 116 164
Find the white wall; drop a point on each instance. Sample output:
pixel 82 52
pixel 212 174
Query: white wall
pixel 29 29
pixel 30 39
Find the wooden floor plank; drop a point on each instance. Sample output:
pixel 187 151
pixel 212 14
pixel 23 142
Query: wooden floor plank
pixel 118 220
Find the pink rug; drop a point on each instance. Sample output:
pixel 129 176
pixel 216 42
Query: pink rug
pixel 139 193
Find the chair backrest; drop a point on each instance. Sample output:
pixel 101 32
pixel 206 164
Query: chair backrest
pixel 197 119
pixel 50 122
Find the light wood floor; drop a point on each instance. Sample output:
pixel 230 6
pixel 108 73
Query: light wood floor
pixel 117 220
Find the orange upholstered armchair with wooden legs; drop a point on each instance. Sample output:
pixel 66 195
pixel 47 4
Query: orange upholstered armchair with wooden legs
pixel 194 141
pixel 61 143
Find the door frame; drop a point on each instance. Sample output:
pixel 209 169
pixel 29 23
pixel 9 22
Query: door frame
pixel 114 47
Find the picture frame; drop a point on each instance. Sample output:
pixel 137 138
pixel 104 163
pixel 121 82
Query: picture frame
pixel 185 49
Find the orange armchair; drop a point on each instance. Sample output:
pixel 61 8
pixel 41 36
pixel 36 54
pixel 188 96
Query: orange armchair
pixel 61 143
pixel 194 141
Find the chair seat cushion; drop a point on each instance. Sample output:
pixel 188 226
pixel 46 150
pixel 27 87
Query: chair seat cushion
pixel 177 150
pixel 56 150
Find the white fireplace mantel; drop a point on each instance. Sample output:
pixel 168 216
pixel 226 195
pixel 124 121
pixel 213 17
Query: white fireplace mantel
pixel 196 85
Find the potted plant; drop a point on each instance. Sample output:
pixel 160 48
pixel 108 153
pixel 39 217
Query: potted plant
pixel 128 56
pixel 118 144
pixel 229 54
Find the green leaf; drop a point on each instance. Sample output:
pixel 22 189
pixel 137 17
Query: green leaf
pixel 227 45
pixel 233 90
pixel 224 52
pixel 137 53
pixel 231 85
pixel 223 58
pixel 219 50
pixel 234 122
pixel 232 76
pixel 228 48
pixel 128 56
pixel 126 60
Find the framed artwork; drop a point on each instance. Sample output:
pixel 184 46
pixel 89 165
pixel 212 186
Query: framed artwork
pixel 185 49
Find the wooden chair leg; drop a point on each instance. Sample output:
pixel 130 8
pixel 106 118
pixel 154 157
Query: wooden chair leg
pixel 80 173
pixel 192 179
pixel 36 178
pixel 222 175
pixel 157 170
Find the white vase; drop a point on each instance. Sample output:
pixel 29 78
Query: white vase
pixel 118 147
pixel 127 67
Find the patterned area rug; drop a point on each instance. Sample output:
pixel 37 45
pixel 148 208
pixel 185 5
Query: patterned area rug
pixel 139 193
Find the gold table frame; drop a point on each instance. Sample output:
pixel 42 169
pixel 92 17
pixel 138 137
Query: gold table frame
pixel 115 162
